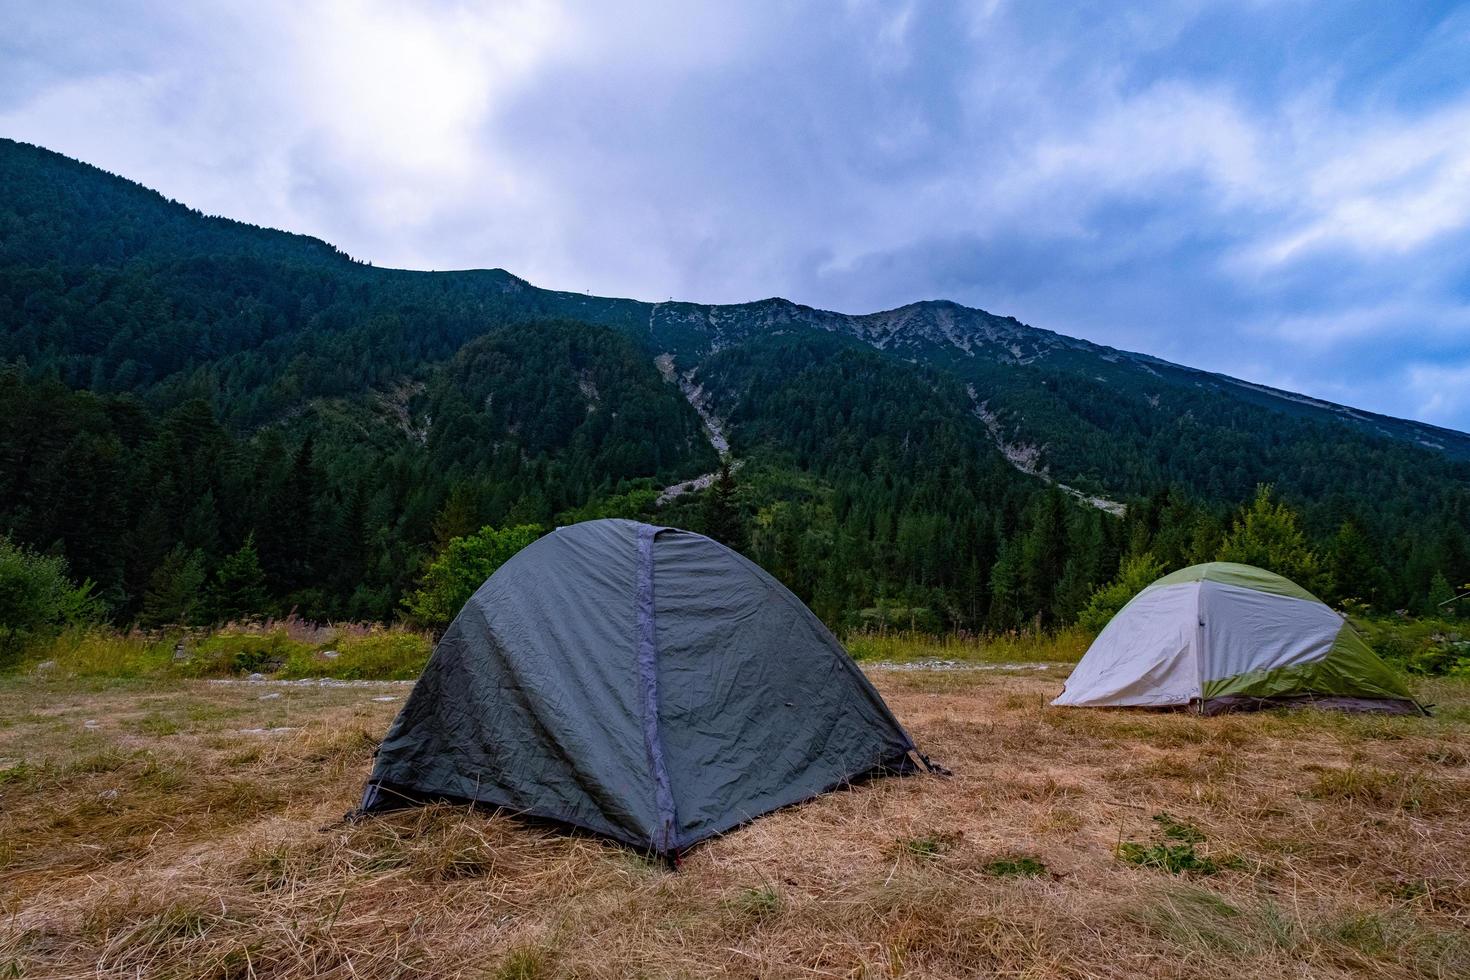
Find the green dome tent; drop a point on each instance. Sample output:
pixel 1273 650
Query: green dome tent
pixel 1223 636
pixel 644 683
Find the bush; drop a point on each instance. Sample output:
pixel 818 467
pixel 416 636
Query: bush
pixel 461 568
pixel 888 616
pixel 37 598
pixel 1137 573
pixel 1427 647
pixel 246 653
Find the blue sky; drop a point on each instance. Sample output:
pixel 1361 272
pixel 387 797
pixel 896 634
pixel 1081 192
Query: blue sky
pixel 1279 189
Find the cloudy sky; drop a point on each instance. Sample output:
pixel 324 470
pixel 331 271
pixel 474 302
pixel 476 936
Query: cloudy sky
pixel 1277 189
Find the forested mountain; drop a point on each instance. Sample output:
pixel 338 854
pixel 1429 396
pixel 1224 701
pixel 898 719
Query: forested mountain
pixel 184 394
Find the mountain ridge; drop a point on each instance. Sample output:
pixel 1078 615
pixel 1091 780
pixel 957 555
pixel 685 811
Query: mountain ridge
pixel 902 327
pixel 941 323
pixel 175 383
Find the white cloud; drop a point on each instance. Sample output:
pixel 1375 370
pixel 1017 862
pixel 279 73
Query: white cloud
pixel 1390 186
pixel 390 99
pixel 1170 129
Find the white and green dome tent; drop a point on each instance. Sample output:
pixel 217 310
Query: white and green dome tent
pixel 1223 636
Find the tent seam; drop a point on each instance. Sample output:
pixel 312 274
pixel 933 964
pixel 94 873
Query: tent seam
pixel 663 838
pixel 1199 642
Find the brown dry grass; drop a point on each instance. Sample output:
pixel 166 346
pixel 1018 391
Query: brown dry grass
pixel 164 841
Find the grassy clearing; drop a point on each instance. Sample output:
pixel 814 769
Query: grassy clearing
pixel 174 827
pixel 286 649
pixel 1026 646
pixel 291 649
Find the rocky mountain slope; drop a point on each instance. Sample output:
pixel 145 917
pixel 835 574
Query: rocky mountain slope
pixel 480 396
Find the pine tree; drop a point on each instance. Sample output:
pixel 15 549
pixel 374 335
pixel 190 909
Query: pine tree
pixel 347 550
pixel 289 533
pixel 1354 571
pixel 723 519
pixel 1005 589
pixel 173 594
pixel 239 585
pixel 1044 554
pixel 460 515
pixel 1438 601
pixel 1266 535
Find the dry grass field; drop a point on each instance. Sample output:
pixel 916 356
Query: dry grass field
pixel 182 828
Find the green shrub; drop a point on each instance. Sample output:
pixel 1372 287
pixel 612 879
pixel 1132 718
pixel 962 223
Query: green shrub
pixel 891 616
pixel 1137 572
pixel 1427 647
pixel 37 599
pixel 245 653
pixel 461 568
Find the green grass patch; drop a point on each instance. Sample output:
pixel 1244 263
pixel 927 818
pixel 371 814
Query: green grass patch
pixel 1023 866
pixel 101 653
pixel 1180 830
pixel 1395 937
pixel 17 774
pixel 155 723
pixel 525 963
pixel 1176 859
pixel 1367 786
pixel 926 847
pixel 352 653
pixel 1024 646
pixel 382 654
pixel 244 653
pixel 1178 853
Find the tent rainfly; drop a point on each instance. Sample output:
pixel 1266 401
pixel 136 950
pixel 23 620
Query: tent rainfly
pixel 1223 636
pixel 643 683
